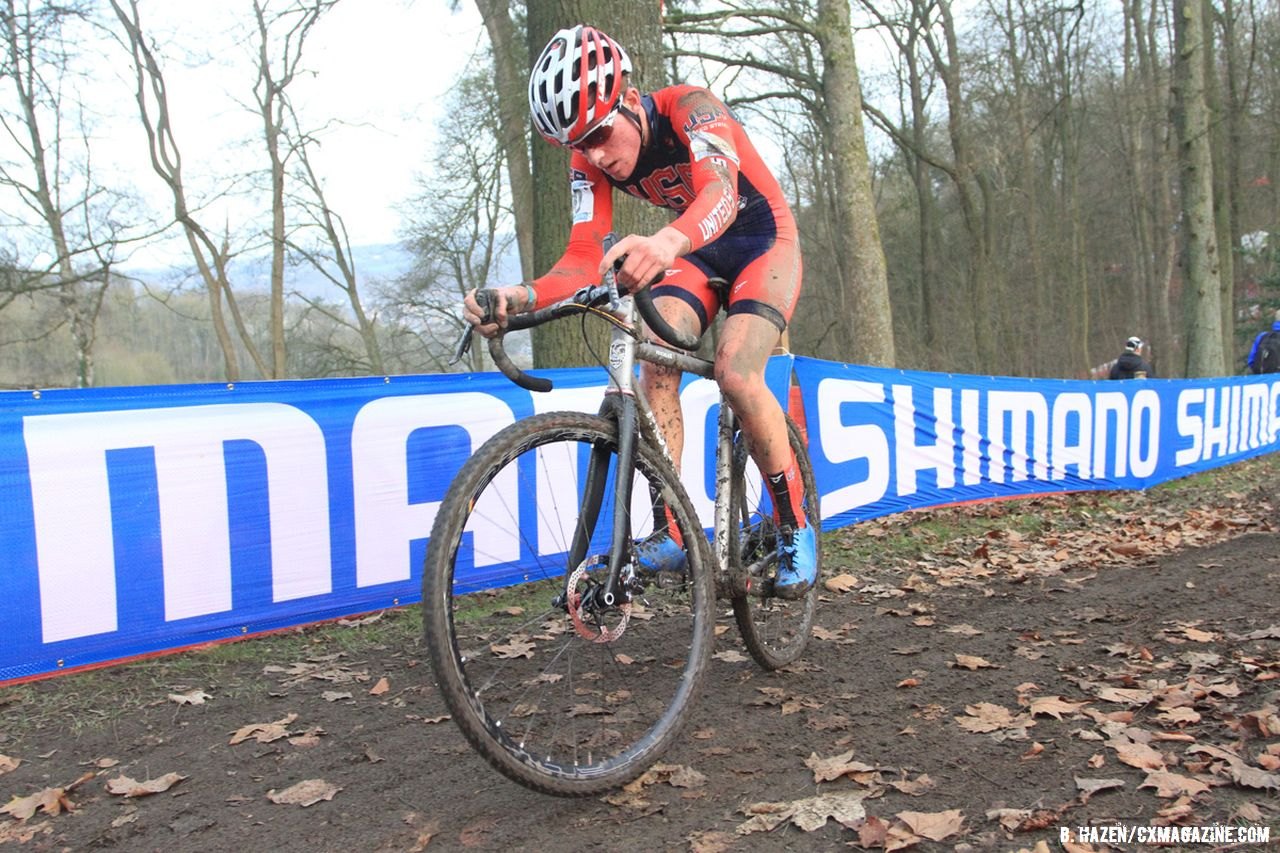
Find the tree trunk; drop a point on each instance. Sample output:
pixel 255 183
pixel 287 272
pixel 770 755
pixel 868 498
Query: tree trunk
pixel 861 255
pixel 1203 288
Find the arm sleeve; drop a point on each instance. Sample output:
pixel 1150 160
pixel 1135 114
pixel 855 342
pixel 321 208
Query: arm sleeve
pixel 592 203
pixel 714 138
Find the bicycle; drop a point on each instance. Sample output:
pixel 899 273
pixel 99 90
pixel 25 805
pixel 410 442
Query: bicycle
pixel 585 694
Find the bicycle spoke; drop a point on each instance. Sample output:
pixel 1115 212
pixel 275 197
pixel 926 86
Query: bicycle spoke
pixel 536 693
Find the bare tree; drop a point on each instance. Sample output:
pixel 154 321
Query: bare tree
pixel 457 231
pixel 54 184
pixel 827 85
pixel 282 35
pixel 211 256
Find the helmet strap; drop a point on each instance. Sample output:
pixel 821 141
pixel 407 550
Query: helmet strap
pixel 635 119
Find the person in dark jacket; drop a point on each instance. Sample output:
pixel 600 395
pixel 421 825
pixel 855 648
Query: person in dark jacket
pixel 1253 363
pixel 1131 364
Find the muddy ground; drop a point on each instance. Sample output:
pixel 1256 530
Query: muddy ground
pixel 980 677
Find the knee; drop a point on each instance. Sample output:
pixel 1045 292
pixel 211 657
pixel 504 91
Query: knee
pixel 738 385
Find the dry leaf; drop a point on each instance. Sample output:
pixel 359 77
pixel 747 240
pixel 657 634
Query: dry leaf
pixel 517 648
pixel 808 814
pixel 830 769
pixel 381 687
pixel 1089 787
pixel 841 583
pixel 1169 785
pixel 1137 754
pixel 264 732
pixel 306 793
pixel 934 826
pixel 731 656
pixel 1054 706
pixel 972 662
pixel 915 787
pixel 193 697
pixel 7 763
pixel 125 787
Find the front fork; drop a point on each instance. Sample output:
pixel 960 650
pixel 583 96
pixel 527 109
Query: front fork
pixel 620 406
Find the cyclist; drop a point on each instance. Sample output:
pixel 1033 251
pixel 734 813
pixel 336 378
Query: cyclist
pixel 682 149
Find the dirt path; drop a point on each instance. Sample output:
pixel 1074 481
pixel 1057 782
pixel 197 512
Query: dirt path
pixel 1000 685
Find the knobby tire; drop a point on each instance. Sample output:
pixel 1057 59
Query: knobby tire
pixel 546 707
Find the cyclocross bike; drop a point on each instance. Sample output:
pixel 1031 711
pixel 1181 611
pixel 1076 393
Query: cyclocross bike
pixel 580 685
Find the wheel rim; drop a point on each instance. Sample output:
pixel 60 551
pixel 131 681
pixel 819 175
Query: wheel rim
pixel 543 700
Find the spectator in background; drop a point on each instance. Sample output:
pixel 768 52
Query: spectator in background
pixel 1264 355
pixel 1131 364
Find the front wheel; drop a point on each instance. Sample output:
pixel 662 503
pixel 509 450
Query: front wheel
pixel 567 695
pixel 774 630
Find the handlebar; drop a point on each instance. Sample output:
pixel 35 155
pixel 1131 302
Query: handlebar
pixel 586 298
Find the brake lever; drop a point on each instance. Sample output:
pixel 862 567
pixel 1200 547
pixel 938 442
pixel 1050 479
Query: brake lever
pixel 485 300
pixel 464 346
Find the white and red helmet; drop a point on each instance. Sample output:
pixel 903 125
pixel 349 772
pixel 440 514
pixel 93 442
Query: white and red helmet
pixel 576 84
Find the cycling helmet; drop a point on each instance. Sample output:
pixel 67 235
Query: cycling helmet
pixel 576 84
pixel 1133 344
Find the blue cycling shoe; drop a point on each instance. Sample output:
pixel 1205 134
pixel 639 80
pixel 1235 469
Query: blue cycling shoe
pixel 797 562
pixel 659 554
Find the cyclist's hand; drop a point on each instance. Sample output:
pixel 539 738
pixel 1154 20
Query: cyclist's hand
pixel 505 301
pixel 646 257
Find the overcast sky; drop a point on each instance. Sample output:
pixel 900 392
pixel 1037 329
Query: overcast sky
pixel 381 67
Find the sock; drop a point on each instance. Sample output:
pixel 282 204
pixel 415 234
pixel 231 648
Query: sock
pixel 672 530
pixel 787 490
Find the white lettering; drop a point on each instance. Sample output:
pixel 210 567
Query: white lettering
pixel 1145 419
pixel 385 521
pixel 1190 425
pixel 1070 407
pixel 843 443
pixel 938 454
pixel 1029 427
pixel 73 519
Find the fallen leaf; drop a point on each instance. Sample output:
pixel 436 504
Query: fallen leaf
pixel 1169 785
pixel 1089 787
pixel 972 662
pixel 123 786
pixel 264 732
pixel 7 763
pixel 915 787
pixel 841 583
pixel 1054 706
pixel 1137 754
pixel 517 648
pixel 731 656
pixel 830 769
pixel 193 697
pixel 381 687
pixel 808 814
pixel 934 826
pixel 306 793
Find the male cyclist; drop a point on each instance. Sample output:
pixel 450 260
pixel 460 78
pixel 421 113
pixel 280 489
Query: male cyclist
pixel 678 148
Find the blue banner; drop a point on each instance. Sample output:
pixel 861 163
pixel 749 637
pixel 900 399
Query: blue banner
pixel 139 520
pixel 883 441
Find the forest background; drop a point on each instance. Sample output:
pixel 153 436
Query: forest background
pixel 1000 186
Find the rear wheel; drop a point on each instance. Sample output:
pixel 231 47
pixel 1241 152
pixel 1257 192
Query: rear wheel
pixel 774 630
pixel 566 696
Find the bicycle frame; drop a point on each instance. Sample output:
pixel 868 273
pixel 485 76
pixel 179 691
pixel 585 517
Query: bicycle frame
pixel 626 404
